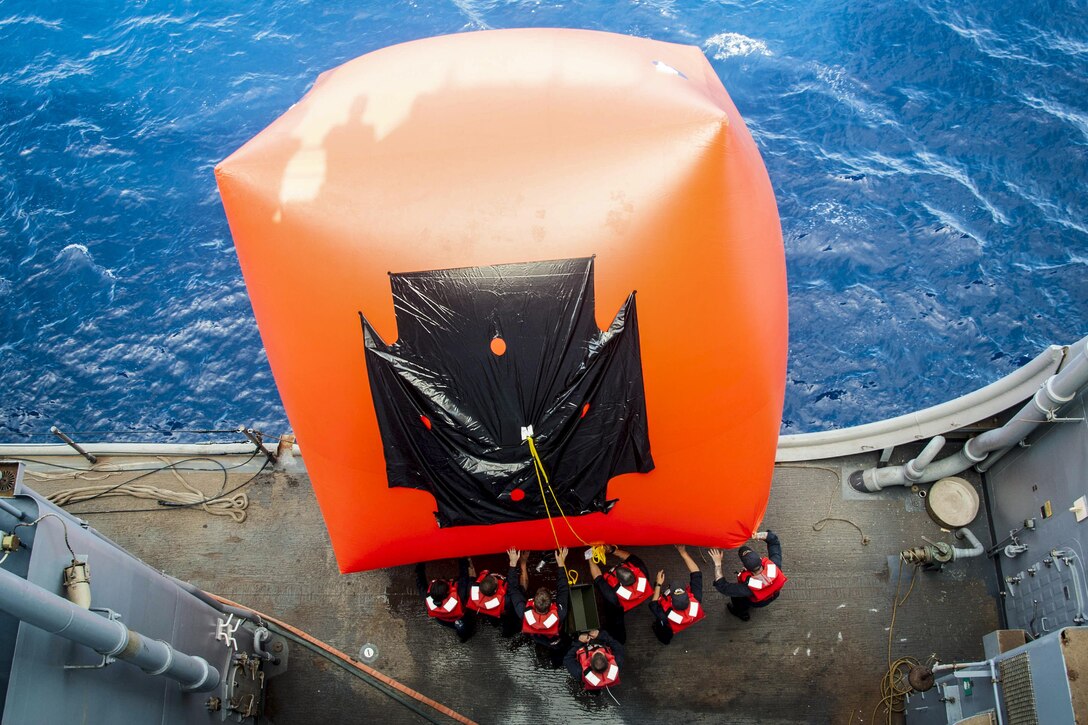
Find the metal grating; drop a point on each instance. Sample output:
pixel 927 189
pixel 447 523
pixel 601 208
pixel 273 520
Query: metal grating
pixel 1019 690
pixel 9 477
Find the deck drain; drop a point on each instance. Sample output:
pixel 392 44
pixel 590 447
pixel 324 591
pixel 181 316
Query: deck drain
pixel 368 653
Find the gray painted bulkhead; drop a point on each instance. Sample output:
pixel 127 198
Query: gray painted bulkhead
pixel 37 687
pixel 1052 467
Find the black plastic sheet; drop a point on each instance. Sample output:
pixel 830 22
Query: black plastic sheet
pixel 451 409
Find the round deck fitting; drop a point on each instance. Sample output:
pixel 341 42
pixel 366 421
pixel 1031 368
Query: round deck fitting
pixel 952 503
pixel 920 678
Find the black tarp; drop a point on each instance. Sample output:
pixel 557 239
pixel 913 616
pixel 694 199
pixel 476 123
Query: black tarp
pixel 451 411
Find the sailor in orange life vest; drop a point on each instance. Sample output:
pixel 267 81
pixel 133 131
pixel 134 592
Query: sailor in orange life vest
pixel 623 587
pixel 595 660
pixel 676 610
pixel 759 583
pixel 542 618
pixel 444 599
pixel 487 595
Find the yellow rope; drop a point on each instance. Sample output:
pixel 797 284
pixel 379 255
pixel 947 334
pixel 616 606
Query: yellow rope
pixel 541 479
pixel 894 685
pixel 540 467
pixel 599 554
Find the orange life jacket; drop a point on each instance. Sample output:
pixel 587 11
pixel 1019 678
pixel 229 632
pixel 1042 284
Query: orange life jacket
pixel 681 619
pixel 533 622
pixel 638 592
pixel 449 610
pixel 767 584
pixel 591 679
pixel 493 605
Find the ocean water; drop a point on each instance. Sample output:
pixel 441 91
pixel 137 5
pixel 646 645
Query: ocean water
pixel 929 160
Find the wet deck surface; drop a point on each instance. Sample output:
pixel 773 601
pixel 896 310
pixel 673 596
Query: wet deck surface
pixel 816 655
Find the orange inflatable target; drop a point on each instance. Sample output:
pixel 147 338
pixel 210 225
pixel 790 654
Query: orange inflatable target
pixel 484 260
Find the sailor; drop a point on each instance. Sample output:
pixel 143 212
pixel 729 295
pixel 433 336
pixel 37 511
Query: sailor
pixel 487 598
pixel 487 593
pixel 542 618
pixel 679 607
pixel 623 587
pixel 595 660
pixel 758 584
pixel 444 599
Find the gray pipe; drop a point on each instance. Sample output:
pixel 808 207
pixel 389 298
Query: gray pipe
pixel 1058 390
pixel 913 469
pixel 976 546
pixel 45 610
pixel 19 514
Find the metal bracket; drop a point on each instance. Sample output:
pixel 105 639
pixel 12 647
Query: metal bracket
pixel 107 660
pixel 256 438
pixel 1051 418
pixel 224 632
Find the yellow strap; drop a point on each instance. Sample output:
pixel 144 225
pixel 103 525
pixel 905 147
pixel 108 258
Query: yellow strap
pixel 541 479
pixel 538 469
pixel 539 466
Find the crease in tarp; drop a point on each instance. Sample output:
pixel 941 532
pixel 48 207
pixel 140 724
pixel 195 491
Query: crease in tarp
pixel 450 410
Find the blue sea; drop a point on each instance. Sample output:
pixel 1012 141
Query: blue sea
pixel 929 159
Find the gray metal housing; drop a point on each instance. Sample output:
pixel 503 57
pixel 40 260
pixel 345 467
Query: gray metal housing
pixel 37 681
pixel 1046 582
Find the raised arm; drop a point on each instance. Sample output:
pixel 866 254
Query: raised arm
pixel 692 566
pixel 655 606
pixel 523 577
pixel 774 547
pixel 562 590
pixel 516 590
pixel 728 588
pixel 621 554
pixel 595 572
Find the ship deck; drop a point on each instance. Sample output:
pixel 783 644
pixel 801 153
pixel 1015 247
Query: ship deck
pixel 816 655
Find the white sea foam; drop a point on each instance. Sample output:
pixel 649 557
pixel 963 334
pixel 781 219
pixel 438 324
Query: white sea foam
pixel 471 10
pixel 836 82
pixel 956 172
pixel 30 20
pixel 984 39
pixel 839 215
pixel 1060 111
pixel 729 45
pixel 1068 46
pixel 77 255
pixel 1051 211
pixel 953 222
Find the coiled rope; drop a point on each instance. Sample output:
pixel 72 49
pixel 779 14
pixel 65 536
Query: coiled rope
pixel 894 686
pixel 233 505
